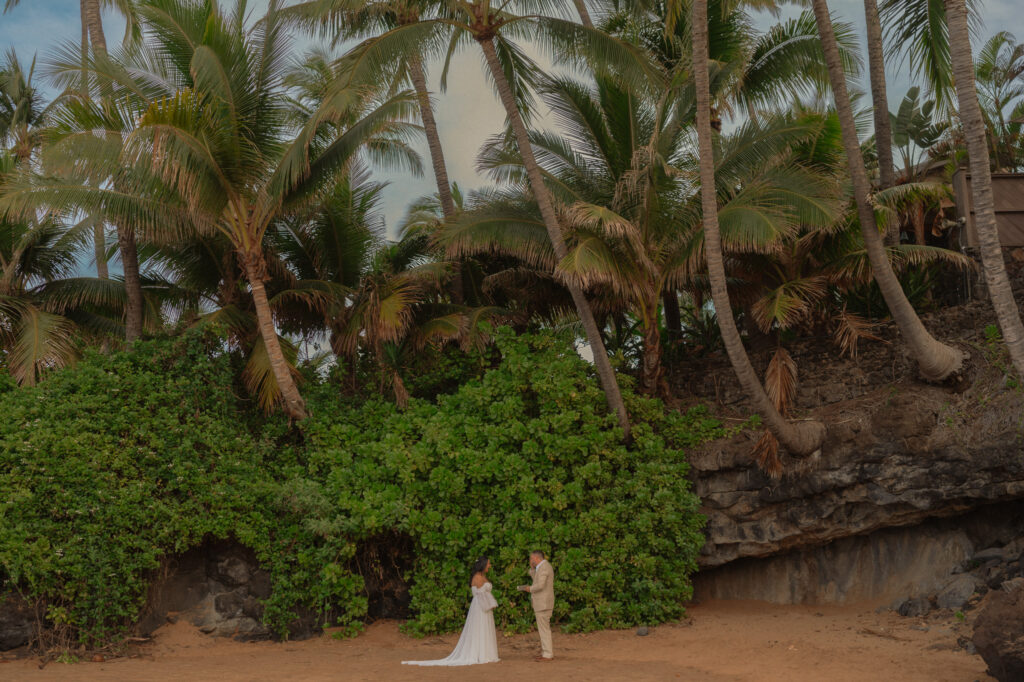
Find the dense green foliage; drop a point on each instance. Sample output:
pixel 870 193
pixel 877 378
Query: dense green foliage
pixel 110 466
pixel 107 467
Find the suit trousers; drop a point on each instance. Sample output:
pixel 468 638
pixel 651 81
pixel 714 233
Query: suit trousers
pixel 544 630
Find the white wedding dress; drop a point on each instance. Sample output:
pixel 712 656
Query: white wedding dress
pixel 478 642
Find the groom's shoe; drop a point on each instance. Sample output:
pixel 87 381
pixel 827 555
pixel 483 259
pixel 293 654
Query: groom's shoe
pixel 541 659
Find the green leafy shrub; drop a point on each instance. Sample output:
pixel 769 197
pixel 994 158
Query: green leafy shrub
pixel 106 468
pixel 524 458
pixel 109 467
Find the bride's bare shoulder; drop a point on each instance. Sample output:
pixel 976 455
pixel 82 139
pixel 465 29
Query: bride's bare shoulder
pixel 479 580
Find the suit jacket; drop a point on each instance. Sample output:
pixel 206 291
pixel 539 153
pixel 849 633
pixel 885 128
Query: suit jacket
pixel 542 592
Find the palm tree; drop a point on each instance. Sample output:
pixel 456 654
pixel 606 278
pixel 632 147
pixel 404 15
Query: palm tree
pixel 999 75
pixel 216 152
pixel 483 26
pixel 492 28
pixel 621 172
pixel 801 438
pixel 33 335
pixel 44 311
pixel 79 123
pixel 936 361
pixel 981 184
pixel 92 33
pixel 346 19
pixel 916 33
pixel 22 108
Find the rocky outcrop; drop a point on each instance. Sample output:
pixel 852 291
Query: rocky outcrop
pixel 914 569
pixel 219 587
pixel 893 458
pixel 863 518
pixel 999 635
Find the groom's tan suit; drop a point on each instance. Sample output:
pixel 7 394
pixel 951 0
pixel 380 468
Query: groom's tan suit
pixel 542 595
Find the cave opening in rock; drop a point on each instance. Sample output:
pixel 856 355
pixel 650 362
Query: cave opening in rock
pixel 384 561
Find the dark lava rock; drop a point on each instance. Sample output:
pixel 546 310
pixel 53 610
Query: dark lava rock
pixel 229 604
pixel 232 571
pixel 260 584
pixel 914 608
pixel 999 635
pixel 252 608
pixel 985 555
pixel 955 593
pixel 17 622
pixel 642 631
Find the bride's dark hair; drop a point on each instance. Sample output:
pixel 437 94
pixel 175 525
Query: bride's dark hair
pixel 478 567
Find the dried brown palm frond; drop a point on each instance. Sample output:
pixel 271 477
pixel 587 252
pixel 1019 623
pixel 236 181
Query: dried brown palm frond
pixel 766 454
pixel 780 380
pixel 849 329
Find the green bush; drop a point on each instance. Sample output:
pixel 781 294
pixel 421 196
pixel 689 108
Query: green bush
pixel 108 467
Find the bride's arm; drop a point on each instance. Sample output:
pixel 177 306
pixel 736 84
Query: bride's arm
pixel 487 600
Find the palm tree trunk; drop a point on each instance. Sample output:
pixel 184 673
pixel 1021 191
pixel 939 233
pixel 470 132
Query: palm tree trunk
pixel 981 184
pixel 800 438
pixel 880 105
pixel 294 405
pixel 936 361
pixel 95 20
pixel 99 249
pixel 92 31
pixel 879 97
pixel 673 318
pixel 650 368
pixel 918 219
pixel 604 367
pixel 85 46
pixel 444 188
pixel 581 8
pixel 132 283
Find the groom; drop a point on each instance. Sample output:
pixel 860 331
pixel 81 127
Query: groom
pixel 542 595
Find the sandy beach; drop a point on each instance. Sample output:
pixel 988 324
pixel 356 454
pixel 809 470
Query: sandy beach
pixel 720 641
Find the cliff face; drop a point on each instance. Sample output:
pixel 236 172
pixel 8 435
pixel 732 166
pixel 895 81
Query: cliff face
pixel 899 453
pixel 893 458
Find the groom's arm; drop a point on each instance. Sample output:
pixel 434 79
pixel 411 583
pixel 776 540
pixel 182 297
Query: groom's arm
pixel 541 580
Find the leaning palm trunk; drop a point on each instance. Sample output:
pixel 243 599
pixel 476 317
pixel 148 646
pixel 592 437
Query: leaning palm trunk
pixel 444 188
pixel 290 397
pixel 936 361
pixel 132 283
pixel 604 367
pixel 981 185
pixel 799 438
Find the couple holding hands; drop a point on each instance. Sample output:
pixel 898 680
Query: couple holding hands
pixel 478 642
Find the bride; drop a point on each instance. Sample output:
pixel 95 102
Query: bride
pixel 478 642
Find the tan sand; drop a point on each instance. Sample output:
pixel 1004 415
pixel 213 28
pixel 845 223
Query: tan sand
pixel 720 641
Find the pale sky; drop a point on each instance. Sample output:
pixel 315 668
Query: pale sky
pixel 467 114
